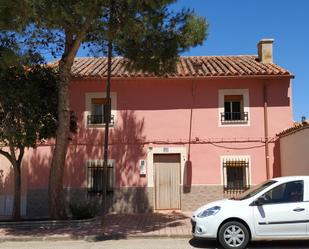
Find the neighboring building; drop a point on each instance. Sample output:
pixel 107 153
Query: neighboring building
pixel 294 145
pixel 176 142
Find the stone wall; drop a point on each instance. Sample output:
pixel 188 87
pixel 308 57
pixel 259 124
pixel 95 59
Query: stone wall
pixel 133 200
pixel 121 200
pixel 37 202
pixel 126 199
pixel 197 195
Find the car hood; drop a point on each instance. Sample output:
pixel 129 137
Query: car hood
pixel 220 203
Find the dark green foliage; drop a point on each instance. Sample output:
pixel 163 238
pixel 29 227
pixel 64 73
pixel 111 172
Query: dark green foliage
pixel 152 37
pixel 145 31
pixel 86 210
pixel 28 105
pixel 149 34
pixel 28 112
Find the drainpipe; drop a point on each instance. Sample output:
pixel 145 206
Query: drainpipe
pixel 266 131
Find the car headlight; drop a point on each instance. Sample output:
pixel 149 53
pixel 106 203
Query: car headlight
pixel 209 212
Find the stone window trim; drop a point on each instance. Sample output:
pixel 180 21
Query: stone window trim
pixel 89 97
pixel 244 102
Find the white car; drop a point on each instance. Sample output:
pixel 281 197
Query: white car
pixel 274 210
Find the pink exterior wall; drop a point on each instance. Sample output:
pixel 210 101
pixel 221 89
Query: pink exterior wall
pixel 154 112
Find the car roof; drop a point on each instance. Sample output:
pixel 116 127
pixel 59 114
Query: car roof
pixel 291 178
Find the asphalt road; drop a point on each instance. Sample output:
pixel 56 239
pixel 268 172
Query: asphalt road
pixel 159 243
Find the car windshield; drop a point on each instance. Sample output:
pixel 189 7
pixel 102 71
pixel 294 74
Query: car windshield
pixel 253 191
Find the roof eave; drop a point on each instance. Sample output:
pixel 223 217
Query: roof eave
pixel 285 76
pixel 292 131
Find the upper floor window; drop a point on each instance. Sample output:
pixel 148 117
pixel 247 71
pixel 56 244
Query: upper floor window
pixel 233 106
pixel 97 109
pixel 234 109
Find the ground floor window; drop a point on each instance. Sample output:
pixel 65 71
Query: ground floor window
pixel 235 173
pixel 95 180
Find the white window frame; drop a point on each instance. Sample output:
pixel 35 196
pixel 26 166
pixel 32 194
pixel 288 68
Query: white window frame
pixel 88 107
pixel 246 158
pixel 225 92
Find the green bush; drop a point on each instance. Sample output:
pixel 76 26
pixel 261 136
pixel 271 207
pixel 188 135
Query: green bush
pixel 85 210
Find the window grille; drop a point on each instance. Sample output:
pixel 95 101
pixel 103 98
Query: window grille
pixel 236 174
pixel 95 176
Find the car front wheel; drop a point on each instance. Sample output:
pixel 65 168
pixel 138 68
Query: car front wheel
pixel 233 235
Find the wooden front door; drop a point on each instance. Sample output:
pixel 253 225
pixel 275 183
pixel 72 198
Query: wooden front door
pixel 167 181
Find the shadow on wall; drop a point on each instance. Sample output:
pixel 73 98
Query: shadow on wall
pixel 38 163
pixel 128 148
pixel 7 187
pixel 277 162
pixel 87 144
pixel 6 190
pixel 6 182
pixel 188 176
pixel 206 96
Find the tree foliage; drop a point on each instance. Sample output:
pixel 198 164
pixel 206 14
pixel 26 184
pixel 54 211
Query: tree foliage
pixel 146 32
pixel 28 105
pixel 28 115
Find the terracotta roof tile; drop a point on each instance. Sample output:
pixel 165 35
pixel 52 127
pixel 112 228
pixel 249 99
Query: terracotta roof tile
pixel 297 127
pixel 188 66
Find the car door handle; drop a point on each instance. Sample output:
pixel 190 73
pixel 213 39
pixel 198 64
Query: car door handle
pixel 298 209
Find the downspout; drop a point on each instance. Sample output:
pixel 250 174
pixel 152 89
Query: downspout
pixel 188 169
pixel 266 131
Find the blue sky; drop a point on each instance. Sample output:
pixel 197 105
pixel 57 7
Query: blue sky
pixel 237 25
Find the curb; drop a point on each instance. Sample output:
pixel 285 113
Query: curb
pixel 48 223
pixel 170 236
pixel 89 238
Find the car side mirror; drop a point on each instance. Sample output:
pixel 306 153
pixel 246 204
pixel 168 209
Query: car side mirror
pixel 259 201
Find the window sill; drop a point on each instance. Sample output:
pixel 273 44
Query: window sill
pixel 101 126
pixel 234 122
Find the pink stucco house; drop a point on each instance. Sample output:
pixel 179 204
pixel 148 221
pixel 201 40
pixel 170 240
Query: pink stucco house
pixel 176 142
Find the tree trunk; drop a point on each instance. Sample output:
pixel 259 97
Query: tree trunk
pixel 56 199
pixel 16 164
pixel 108 114
pixel 106 132
pixel 17 191
pixel 55 190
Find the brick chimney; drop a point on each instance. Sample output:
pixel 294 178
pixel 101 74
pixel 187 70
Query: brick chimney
pixel 265 50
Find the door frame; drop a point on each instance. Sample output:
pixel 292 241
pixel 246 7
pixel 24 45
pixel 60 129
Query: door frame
pixel 179 186
pixel 165 150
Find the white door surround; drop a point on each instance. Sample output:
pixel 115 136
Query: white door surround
pixel 165 150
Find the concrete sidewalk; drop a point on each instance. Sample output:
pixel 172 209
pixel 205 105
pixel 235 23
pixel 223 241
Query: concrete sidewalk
pixel 115 226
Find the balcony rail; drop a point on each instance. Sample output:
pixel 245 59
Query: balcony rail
pixel 98 119
pixel 234 117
